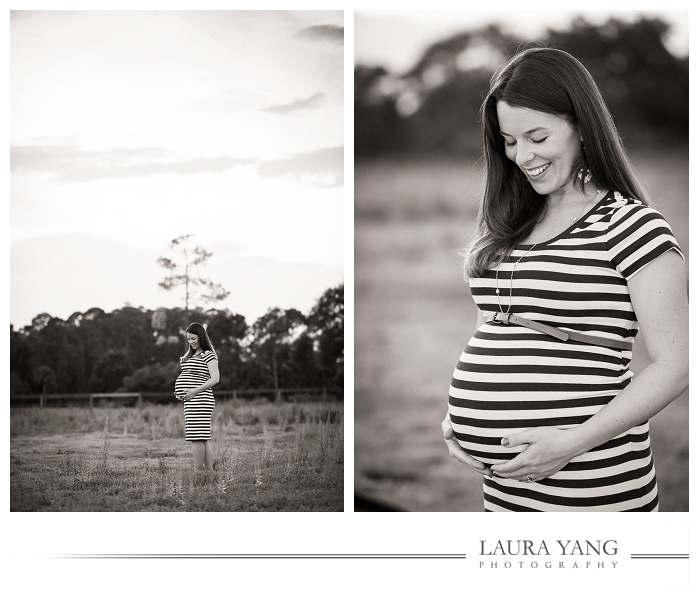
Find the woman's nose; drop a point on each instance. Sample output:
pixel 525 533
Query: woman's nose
pixel 524 155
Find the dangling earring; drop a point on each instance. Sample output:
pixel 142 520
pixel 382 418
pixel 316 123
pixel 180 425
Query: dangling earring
pixel 584 175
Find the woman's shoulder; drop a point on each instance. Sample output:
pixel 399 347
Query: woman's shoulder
pixel 626 209
pixel 208 355
pixel 619 201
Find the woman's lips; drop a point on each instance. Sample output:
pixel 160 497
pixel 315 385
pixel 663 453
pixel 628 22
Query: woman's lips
pixel 538 171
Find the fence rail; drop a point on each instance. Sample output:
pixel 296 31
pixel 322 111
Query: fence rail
pixel 136 398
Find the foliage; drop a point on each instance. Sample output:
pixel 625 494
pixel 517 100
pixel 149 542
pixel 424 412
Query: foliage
pixel 272 335
pixel 434 106
pixel 152 378
pixel 326 323
pixel 185 273
pixel 110 369
pixel 45 377
pixel 136 349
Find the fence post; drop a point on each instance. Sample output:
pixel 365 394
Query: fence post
pixel 235 396
pixel 90 400
pixel 41 401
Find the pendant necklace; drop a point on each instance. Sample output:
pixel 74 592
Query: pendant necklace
pixel 575 219
pixel 512 275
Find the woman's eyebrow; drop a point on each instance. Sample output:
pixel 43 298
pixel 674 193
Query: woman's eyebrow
pixel 529 132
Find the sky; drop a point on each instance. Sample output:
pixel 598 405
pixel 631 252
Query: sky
pixel 396 39
pixel 132 128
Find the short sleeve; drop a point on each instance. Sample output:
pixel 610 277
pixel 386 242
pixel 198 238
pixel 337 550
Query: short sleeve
pixel 638 234
pixel 209 356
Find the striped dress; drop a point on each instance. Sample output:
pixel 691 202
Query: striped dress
pixel 511 378
pixel 198 410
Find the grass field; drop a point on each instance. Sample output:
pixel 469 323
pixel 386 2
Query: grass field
pixel 414 315
pixel 267 457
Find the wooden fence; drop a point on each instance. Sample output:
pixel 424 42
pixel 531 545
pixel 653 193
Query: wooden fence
pixel 137 398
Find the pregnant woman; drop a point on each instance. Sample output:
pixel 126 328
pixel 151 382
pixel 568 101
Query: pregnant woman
pixel 568 262
pixel 193 387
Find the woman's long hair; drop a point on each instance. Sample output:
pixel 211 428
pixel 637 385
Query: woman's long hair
pixel 204 340
pixel 551 81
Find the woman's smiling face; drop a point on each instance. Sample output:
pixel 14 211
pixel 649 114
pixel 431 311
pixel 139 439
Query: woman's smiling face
pixel 193 340
pixel 544 147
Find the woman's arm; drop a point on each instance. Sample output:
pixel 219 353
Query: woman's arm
pixel 213 372
pixel 659 297
pixel 455 450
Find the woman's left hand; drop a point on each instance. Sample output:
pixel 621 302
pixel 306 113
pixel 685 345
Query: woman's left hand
pixel 189 395
pixel 548 450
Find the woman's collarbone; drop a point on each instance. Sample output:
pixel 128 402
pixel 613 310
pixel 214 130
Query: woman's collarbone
pixel 550 227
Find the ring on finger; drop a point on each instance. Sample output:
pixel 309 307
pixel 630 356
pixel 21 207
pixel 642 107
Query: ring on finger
pixel 529 479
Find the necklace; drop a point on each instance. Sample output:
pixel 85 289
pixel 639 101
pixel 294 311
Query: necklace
pixel 575 219
pixel 512 275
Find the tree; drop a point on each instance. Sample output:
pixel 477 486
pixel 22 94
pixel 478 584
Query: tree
pixel 20 363
pixel 45 377
pixel 184 273
pixel 326 324
pixel 302 363
pixel 227 331
pixel 152 378
pixel 433 107
pixel 110 370
pixel 272 333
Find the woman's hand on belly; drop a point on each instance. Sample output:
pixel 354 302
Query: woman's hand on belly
pixel 548 450
pixel 189 395
pixel 456 451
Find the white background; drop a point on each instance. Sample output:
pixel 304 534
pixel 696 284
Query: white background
pixel 28 536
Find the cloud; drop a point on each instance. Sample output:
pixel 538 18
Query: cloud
pixel 324 166
pixel 324 33
pixel 298 105
pixel 74 165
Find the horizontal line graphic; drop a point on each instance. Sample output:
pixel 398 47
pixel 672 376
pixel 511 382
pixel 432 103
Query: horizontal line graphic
pixel 264 556
pixel 660 556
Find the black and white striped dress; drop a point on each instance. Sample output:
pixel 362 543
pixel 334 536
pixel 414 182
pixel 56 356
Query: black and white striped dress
pixel 511 378
pixel 198 410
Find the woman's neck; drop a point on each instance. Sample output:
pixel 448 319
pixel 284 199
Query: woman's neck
pixel 570 195
pixel 562 210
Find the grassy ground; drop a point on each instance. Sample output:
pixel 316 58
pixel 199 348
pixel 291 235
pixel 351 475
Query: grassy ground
pixel 414 315
pixel 267 457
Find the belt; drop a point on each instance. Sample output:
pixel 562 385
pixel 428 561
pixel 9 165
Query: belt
pixel 509 318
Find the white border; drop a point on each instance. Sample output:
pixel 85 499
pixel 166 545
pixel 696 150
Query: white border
pixel 29 535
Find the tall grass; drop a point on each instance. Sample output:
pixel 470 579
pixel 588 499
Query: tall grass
pixel 266 457
pixel 157 421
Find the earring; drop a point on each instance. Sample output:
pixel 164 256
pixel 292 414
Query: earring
pixel 584 175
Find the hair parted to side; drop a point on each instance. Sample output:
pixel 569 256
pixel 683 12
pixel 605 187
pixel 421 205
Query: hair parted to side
pixel 551 81
pixel 204 340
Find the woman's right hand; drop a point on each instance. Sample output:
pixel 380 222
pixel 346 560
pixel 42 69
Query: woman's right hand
pixel 456 451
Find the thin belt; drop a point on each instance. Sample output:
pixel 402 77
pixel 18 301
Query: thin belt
pixel 509 318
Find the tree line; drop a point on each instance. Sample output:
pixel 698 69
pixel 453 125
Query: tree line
pixel 137 350
pixel 433 108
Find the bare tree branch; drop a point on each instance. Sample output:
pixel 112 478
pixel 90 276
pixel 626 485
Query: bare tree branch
pixel 186 272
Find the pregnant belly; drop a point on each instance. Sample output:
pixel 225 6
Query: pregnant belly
pixel 504 384
pixel 184 383
pixel 485 407
pixel 479 431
